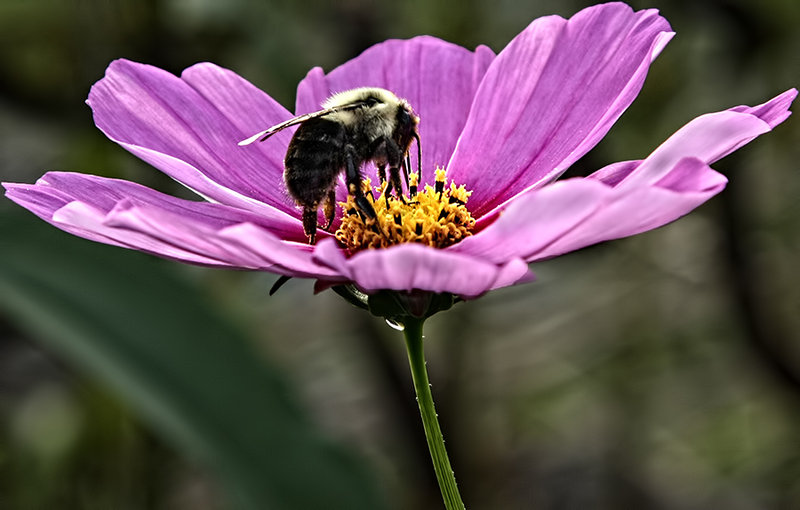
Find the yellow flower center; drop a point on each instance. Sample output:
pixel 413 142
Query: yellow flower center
pixel 436 216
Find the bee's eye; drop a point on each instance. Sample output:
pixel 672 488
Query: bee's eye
pixel 403 118
pixel 372 101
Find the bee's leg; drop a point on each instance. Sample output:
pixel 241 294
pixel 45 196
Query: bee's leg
pixel 394 157
pixel 382 177
pixel 385 150
pixel 380 151
pixel 388 191
pixel 419 159
pixel 394 176
pixel 310 223
pixel 329 209
pixel 353 179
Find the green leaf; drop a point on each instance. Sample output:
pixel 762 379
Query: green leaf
pixel 131 322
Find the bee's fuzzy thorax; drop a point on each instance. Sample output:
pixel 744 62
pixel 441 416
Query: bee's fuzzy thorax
pixel 376 119
pixel 360 94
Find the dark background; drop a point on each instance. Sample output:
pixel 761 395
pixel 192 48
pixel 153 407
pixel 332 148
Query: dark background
pixel 661 371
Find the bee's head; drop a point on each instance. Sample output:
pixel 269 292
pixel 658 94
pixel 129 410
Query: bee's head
pixel 406 123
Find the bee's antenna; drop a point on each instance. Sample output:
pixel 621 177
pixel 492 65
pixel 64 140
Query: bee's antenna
pixel 419 157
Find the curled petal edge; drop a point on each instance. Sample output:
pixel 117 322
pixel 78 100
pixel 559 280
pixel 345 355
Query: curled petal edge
pixel 409 267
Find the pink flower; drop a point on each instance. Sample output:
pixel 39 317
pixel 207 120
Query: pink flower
pixel 506 126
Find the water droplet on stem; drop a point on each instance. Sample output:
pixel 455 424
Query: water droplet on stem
pixel 395 325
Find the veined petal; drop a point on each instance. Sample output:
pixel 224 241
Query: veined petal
pixel 43 201
pixel 197 181
pixel 774 111
pixel 179 232
pixel 295 259
pixel 104 194
pixel 194 238
pixel 550 96
pixel 534 220
pixel 249 110
pixel 78 217
pixel 192 120
pixel 406 267
pixel 704 143
pixel 629 211
pixel 438 78
pixel 614 173
pixel 575 213
pixel 126 214
pixel 711 137
pixel 241 245
pixel 708 138
pixel 515 272
pixel 312 91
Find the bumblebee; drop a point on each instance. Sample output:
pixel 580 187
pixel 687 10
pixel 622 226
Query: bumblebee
pixel 354 127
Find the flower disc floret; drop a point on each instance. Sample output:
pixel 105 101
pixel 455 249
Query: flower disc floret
pixel 436 216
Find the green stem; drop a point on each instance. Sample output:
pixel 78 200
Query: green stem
pixel 433 434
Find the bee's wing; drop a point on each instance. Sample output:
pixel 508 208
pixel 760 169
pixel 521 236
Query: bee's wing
pixel 263 135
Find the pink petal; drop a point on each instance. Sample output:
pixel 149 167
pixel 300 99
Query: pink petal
pixel 180 232
pixel 189 128
pixel 614 173
pixel 248 109
pixel 632 210
pixel 692 175
pixel 128 214
pixel 193 238
pixel 78 217
pixel 295 259
pixel 104 194
pixel 313 90
pixel 535 220
pixel 438 78
pixel 712 146
pixel 43 201
pixel 407 267
pixel 509 274
pixel 707 138
pixel 280 218
pixel 550 96
pixel 575 213
pixel 772 112
pixel 710 137
pixel 241 245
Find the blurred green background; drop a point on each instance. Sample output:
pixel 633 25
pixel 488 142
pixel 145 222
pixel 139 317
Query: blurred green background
pixel 657 372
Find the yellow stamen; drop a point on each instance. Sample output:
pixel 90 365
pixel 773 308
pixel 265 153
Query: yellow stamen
pixel 436 216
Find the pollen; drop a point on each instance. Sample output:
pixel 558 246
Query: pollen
pixel 436 216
